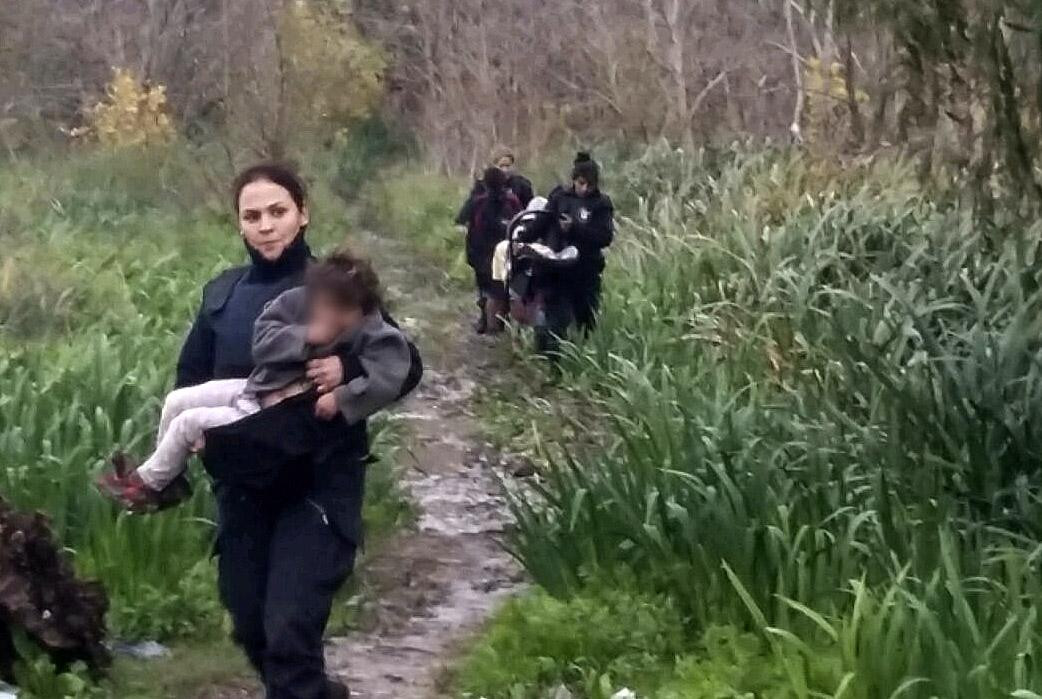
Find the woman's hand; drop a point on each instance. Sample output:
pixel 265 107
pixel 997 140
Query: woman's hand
pixel 326 407
pixel 326 373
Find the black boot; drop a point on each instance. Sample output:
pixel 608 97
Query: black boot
pixel 481 326
pixel 337 689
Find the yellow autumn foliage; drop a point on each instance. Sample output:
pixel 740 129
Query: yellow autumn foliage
pixel 133 113
pixel 827 97
pixel 336 75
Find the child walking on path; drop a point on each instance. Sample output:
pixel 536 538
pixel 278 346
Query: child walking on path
pixel 337 312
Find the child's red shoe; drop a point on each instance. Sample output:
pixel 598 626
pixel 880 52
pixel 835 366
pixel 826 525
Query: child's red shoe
pixel 129 492
pixel 125 487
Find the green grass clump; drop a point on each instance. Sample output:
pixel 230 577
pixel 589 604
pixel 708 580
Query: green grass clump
pixel 538 642
pixel 602 640
pixel 421 208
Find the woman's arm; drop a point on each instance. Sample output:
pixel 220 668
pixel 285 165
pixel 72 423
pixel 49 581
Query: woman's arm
pixel 195 364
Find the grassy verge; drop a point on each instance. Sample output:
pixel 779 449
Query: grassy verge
pixel 186 672
pixel 420 209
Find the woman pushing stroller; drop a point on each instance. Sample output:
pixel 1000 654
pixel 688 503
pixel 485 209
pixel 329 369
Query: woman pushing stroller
pixel 557 256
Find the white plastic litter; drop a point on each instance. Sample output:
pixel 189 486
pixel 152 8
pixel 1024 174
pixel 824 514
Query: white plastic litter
pixel 561 692
pixel 145 650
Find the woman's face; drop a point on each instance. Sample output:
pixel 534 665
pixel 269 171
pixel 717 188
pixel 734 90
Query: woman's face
pixel 583 187
pixel 506 164
pixel 269 219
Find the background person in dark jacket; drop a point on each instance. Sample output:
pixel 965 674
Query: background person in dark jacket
pixel 585 218
pixel 490 214
pixel 281 559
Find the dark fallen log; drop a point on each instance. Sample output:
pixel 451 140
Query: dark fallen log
pixel 41 596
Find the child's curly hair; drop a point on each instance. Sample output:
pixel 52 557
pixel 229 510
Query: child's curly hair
pixel 348 278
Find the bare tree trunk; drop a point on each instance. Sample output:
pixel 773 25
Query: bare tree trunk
pixel 1008 116
pixel 675 61
pixel 796 128
pixel 857 124
pixel 226 73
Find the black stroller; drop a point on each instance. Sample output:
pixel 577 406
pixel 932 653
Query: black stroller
pixel 535 253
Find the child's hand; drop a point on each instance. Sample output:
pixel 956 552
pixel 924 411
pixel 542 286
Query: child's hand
pixel 326 373
pixel 326 407
pixel 320 334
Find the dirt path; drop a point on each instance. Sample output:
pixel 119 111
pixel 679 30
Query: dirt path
pixel 434 586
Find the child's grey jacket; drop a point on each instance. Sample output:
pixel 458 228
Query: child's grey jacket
pixel 281 353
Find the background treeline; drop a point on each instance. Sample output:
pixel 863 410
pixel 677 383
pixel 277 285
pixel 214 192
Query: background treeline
pixel 959 82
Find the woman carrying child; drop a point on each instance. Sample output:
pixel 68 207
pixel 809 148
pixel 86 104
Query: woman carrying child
pixel 328 359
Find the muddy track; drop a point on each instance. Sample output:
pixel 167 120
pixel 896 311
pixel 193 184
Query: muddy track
pixel 433 586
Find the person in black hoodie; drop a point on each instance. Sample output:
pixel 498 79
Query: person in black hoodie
pixel 284 552
pixel 490 214
pixel 584 218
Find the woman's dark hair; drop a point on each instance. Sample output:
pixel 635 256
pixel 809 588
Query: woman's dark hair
pixel 349 279
pixel 586 168
pixel 277 173
pixel 495 180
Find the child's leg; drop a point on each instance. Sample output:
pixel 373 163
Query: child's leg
pixel 212 394
pixel 171 454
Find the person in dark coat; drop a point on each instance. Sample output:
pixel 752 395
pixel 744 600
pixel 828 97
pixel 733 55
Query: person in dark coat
pixel 282 552
pixel 584 218
pixel 490 215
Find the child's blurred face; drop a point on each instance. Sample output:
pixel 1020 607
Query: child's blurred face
pixel 338 317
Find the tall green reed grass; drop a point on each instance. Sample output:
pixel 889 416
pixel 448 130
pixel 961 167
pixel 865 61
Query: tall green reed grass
pixel 822 391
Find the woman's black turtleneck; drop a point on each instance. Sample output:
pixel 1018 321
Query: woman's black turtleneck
pixel 293 261
pixel 219 345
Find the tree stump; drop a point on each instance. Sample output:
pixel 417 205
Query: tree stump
pixel 41 596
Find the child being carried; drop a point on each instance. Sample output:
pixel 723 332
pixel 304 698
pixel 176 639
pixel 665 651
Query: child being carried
pixel 336 313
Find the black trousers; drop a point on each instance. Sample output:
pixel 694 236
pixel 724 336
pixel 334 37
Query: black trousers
pixel 586 302
pixel 575 302
pixel 280 565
